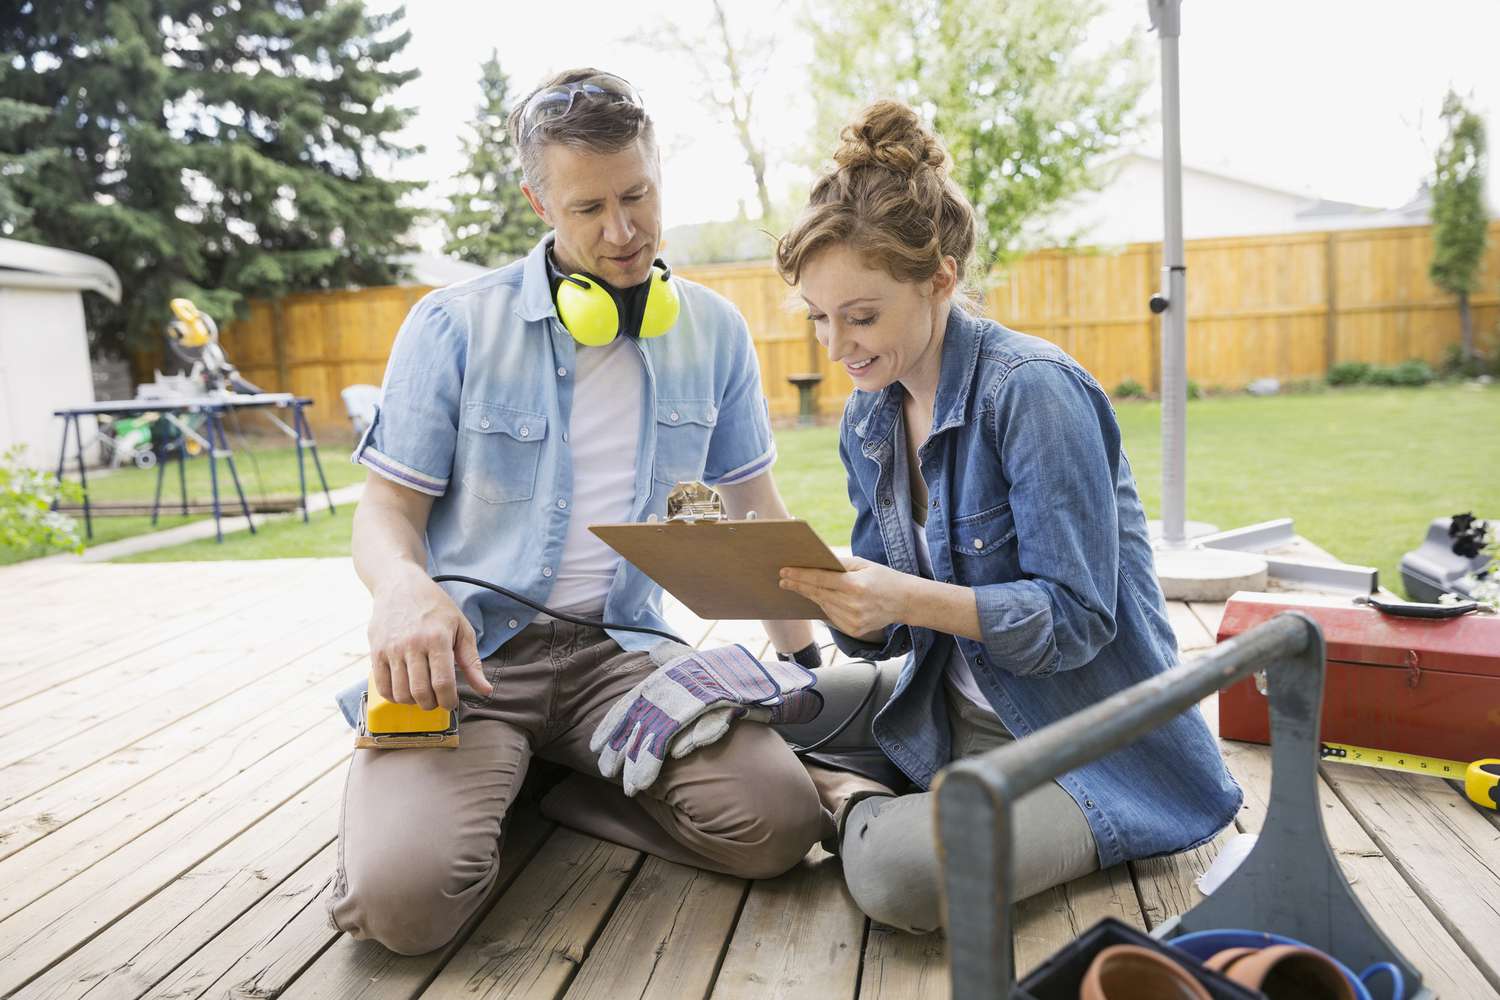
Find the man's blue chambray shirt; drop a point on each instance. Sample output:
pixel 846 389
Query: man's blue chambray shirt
pixel 474 411
pixel 1033 506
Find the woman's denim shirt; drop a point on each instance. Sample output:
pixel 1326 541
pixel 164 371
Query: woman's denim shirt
pixel 1033 506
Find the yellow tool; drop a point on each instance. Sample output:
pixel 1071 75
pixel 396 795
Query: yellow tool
pixel 388 725
pixel 1481 778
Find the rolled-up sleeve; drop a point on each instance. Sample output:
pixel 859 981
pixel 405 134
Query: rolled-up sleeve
pixel 1059 448
pixel 412 437
pixel 741 446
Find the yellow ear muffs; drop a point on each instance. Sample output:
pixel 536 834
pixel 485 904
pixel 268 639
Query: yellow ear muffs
pixel 662 304
pixel 591 312
pixel 587 310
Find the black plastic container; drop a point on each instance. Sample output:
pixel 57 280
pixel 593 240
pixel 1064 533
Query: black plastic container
pixel 1060 976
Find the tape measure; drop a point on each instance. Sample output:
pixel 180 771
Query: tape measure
pixel 1481 778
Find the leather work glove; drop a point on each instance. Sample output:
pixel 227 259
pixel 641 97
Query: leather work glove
pixel 691 699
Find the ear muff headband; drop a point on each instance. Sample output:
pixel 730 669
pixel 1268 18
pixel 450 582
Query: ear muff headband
pixel 591 310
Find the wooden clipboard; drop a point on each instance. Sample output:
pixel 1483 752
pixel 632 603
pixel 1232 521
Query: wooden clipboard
pixel 725 569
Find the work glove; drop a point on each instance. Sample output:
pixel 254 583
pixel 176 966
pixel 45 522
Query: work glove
pixel 689 701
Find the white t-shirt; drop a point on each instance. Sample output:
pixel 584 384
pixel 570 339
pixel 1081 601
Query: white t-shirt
pixel 959 674
pixel 604 433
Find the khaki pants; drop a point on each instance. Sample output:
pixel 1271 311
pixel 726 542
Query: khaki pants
pixel 421 833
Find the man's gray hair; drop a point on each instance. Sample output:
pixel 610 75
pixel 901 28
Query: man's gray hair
pixel 593 123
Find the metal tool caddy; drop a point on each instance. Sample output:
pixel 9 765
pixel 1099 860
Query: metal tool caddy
pixel 1290 884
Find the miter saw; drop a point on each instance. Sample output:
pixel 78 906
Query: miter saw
pixel 193 339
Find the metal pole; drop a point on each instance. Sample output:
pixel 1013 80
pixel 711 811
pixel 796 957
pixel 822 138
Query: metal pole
pixel 1166 19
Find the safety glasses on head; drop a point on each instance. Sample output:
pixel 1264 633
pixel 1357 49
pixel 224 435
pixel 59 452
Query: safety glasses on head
pixel 553 103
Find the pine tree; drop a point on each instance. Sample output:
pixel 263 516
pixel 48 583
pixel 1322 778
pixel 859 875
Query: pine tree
pixel 218 151
pixel 489 220
pixel 1459 221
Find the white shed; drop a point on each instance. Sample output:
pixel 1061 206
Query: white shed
pixel 44 348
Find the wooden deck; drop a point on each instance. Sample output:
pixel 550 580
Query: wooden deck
pixel 170 778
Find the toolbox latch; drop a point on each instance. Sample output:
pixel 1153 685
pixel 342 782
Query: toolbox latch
pixel 1413 668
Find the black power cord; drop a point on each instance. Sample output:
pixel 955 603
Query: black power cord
pixel 589 623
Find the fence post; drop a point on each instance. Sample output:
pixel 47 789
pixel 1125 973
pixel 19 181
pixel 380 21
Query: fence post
pixel 1331 300
pixel 278 346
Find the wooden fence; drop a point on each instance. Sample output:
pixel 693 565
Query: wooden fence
pixel 1287 306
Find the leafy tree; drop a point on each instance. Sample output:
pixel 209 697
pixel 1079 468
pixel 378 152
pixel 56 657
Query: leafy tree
pixel 1024 105
pixel 490 221
pixel 1459 220
pixel 203 148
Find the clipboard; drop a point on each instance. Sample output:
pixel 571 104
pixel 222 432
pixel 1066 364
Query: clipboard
pixel 725 569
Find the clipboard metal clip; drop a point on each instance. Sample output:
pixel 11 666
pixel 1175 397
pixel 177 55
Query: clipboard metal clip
pixel 690 502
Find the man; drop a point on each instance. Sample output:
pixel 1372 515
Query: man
pixel 500 438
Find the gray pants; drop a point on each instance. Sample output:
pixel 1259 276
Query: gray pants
pixel 889 847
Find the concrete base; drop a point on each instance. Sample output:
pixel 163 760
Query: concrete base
pixel 1207 574
pixel 1193 529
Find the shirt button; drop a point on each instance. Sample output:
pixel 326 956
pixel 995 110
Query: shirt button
pixel 934 503
pixel 979 543
pixel 562 504
pixel 885 501
pixel 526 432
pixel 675 417
pixel 1088 803
pixel 562 373
pixel 546 570
pixel 565 437
pixel 652 519
pixel 513 623
pixel 485 423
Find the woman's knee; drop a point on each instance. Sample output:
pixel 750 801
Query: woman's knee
pixel 890 863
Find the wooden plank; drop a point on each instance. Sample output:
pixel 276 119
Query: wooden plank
pixel 161 930
pixel 1049 920
pixel 682 621
pixel 191 756
pixel 750 634
pixel 1210 613
pixel 902 966
pixel 183 673
pixel 220 681
pixel 364 970
pixel 85 648
pixel 533 941
pixel 49 928
pixel 799 935
pixel 268 948
pixel 1167 887
pixel 1447 852
pixel 1191 635
pixel 1409 925
pixel 29 874
pixel 666 937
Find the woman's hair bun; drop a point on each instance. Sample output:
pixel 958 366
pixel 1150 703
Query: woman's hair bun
pixel 889 134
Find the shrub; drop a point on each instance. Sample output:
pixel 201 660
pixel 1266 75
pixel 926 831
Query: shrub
pixel 1193 391
pixel 1415 372
pixel 1349 373
pixel 27 520
pixel 1455 365
pixel 1130 389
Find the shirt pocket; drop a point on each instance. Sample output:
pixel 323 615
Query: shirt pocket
pixel 683 430
pixel 501 449
pixel 984 546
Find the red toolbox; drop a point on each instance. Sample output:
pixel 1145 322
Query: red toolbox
pixel 1410 685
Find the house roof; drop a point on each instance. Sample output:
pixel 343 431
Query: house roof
pixel 31 265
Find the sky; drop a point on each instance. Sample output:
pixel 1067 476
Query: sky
pixel 1337 98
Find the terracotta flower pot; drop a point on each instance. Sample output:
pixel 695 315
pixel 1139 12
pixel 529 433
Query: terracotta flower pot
pixel 1131 972
pixel 1284 972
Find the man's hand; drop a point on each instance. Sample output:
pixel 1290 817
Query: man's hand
pixel 417 635
pixel 859 602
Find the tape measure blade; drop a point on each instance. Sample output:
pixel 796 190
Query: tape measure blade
pixel 1346 753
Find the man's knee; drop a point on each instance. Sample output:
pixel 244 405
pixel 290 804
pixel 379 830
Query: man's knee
pixel 758 818
pixel 412 906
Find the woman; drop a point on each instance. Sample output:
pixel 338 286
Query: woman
pixel 998 541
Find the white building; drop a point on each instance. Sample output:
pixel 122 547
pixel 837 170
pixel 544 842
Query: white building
pixel 1128 209
pixel 44 348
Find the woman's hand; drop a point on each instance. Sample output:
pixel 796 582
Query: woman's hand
pixel 859 602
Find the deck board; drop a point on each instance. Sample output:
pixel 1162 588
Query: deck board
pixel 171 835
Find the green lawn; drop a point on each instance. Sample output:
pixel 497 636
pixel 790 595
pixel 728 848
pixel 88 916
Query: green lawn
pixel 265 471
pixel 1361 471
